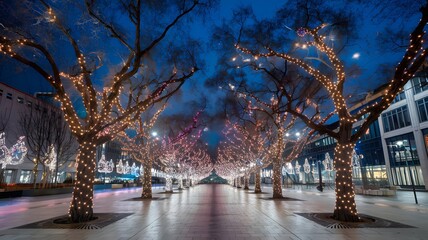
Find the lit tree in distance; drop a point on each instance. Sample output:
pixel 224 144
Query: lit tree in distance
pixel 50 164
pixel 147 147
pixel 111 107
pixel 231 156
pixel 333 82
pixel 252 146
pixel 278 130
pixel 194 163
pixel 176 151
pixel 143 148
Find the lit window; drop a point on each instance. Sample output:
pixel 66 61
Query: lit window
pixel 25 176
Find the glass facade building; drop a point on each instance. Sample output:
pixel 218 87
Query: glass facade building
pixel 393 152
pixel 404 131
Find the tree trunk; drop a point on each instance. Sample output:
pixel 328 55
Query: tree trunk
pixel 238 182
pixel 45 176
pixel 1 175
pixel 35 173
pixel 246 182
pixel 345 208
pixel 258 180
pixel 168 184
pixel 276 179
pixel 180 183
pixel 187 182
pixel 147 181
pixel 81 207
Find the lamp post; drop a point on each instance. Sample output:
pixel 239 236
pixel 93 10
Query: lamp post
pixel 320 187
pixel 400 147
pixel 356 166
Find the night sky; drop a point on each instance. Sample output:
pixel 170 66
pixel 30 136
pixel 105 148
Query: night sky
pixel 364 50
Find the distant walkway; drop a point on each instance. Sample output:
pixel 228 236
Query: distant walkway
pixel 215 212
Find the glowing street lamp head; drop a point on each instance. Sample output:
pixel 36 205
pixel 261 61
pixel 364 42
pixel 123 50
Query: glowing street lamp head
pixel 154 134
pixel 356 55
pixel 297 134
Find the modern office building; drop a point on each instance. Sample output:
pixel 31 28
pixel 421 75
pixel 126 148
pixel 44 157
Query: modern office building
pixel 404 131
pixel 16 157
pixel 393 152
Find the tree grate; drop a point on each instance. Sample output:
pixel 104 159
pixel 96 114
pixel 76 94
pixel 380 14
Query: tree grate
pixel 338 226
pixel 100 221
pixel 87 226
pixel 366 221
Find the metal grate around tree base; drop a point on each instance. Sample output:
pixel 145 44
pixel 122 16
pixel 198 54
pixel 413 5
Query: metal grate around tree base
pixel 366 221
pixel 338 226
pixel 61 222
pixel 87 226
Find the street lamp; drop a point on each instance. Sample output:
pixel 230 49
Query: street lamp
pixel 356 55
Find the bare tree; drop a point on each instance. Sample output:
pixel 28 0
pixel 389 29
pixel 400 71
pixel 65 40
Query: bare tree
pixel 333 78
pixel 49 140
pixel 99 85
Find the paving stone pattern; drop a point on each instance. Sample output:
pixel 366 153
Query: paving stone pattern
pixel 215 212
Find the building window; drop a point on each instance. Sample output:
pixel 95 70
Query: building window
pixel 9 95
pixel 1 92
pixel 20 100
pixel 420 84
pixel 395 119
pixel 404 160
pixel 29 104
pixel 399 97
pixel 9 176
pixel 422 106
pixel 372 132
pixel 25 176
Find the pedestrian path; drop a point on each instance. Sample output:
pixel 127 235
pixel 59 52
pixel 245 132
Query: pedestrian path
pixel 215 212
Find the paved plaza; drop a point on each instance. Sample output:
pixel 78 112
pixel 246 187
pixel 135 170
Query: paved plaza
pixel 215 212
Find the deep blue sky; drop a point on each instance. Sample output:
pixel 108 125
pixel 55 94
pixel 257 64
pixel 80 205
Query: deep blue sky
pixel 371 57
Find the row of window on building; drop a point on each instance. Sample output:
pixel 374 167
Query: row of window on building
pixel 21 100
pixel 400 117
